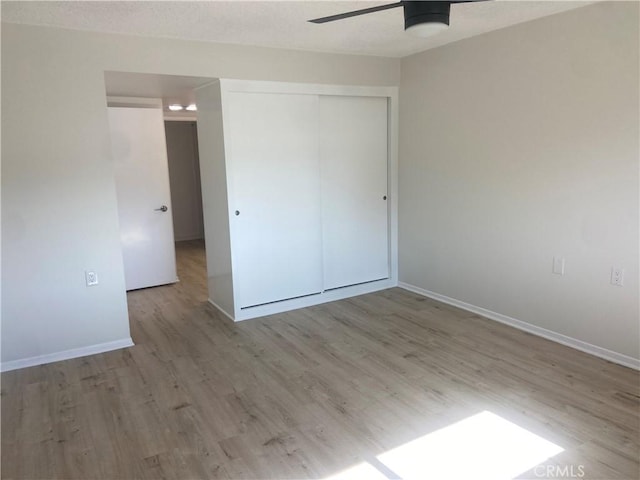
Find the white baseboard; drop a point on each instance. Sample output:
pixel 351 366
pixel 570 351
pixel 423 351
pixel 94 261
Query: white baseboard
pixel 218 307
pixel 66 354
pixel 610 355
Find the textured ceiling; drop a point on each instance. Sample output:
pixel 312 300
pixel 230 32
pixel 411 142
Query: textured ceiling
pixel 280 24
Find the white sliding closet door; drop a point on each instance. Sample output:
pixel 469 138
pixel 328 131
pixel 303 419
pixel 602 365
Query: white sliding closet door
pixel 353 158
pixel 277 237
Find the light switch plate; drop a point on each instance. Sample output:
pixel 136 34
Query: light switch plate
pixel 558 265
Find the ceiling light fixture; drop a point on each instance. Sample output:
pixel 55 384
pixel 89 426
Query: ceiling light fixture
pixel 192 107
pixel 424 19
pixel 428 29
pixel 176 107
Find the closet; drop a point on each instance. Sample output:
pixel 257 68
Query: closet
pixel 296 192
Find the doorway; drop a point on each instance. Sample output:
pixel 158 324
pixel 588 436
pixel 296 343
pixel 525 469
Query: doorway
pixel 184 179
pixel 183 199
pixel 186 201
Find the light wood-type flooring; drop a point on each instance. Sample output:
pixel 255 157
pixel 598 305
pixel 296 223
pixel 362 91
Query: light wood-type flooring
pixel 309 393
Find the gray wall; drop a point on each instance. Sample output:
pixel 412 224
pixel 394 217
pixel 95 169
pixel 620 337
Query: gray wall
pixel 184 179
pixel 59 213
pixel 519 145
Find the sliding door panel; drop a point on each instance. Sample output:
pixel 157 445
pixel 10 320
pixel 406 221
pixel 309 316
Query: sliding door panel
pixel 272 141
pixel 353 159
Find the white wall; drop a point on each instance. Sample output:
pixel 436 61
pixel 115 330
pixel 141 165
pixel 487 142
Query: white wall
pixel 184 178
pixel 519 145
pixel 215 203
pixel 59 213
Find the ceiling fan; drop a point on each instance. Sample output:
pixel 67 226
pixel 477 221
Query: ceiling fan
pixel 421 18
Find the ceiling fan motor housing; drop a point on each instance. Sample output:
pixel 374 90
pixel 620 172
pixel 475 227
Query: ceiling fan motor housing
pixel 416 12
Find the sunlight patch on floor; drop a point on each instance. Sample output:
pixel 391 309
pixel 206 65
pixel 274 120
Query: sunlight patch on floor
pixel 483 446
pixel 361 471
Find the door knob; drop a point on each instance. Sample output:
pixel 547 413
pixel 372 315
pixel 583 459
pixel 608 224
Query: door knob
pixel 163 208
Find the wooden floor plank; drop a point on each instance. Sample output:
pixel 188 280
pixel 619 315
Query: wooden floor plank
pixel 306 394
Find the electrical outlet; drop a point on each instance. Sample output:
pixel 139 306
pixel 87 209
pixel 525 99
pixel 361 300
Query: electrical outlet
pixel 558 265
pixel 91 277
pixel 617 276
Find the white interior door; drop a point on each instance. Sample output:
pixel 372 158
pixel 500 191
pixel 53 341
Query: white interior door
pixel 353 159
pixel 276 234
pixel 144 200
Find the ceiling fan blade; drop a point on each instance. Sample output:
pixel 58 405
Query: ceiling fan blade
pixel 355 13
